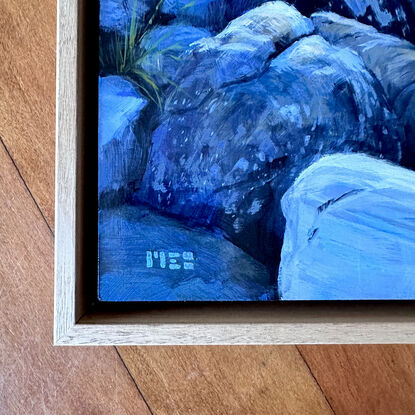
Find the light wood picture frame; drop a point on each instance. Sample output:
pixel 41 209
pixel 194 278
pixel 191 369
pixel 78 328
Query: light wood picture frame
pixel 180 324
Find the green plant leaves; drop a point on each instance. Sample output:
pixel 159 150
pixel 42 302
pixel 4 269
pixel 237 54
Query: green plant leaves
pixel 121 54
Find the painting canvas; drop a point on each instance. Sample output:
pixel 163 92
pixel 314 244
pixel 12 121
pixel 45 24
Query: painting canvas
pixel 254 150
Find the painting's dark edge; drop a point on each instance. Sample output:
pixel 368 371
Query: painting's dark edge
pixel 90 162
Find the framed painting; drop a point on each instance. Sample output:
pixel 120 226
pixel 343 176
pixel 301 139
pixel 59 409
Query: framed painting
pixel 226 165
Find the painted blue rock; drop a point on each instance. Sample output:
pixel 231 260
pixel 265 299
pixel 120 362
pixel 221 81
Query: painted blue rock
pixel 120 149
pixel 239 53
pixel 116 15
pixel 392 16
pixel 146 257
pixel 228 162
pixel 200 13
pixel 390 59
pixel 211 14
pixel 405 109
pixel 395 17
pixel 350 232
pixel 389 16
pixel 163 49
pixel 235 9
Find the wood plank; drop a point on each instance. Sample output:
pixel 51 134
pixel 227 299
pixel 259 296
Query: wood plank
pixel 225 380
pixel 27 88
pixel 35 377
pixel 365 379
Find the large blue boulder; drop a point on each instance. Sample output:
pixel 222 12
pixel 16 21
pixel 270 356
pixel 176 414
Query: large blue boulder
pixel 211 14
pixel 239 53
pixel 390 16
pixel 405 109
pixel 144 256
pixel 350 232
pixel 395 17
pixel 390 59
pixel 117 15
pixel 162 50
pixel 121 147
pixel 227 160
pixel 200 13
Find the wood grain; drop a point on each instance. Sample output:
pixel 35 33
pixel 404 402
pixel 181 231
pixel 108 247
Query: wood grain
pixel 35 377
pixel 27 91
pixel 225 380
pixel 378 380
pixel 69 304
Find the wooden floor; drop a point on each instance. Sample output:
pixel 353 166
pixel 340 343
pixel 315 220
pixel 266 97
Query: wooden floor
pixel 36 378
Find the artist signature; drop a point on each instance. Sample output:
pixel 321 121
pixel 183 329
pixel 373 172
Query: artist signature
pixel 170 260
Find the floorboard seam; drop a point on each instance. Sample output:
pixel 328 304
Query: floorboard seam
pixel 26 186
pixel 133 379
pixel 315 380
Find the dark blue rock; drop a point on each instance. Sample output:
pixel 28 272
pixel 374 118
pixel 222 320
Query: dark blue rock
pixel 211 14
pixel 163 47
pixel 116 15
pixel 391 16
pixel 120 150
pixel 228 161
pixel 200 13
pixel 395 17
pixel 390 59
pixel 146 257
pixel 350 232
pixel 405 109
pixel 240 52
pixel 234 9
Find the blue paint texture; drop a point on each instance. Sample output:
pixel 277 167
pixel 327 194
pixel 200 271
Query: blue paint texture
pixel 221 271
pixel 163 47
pixel 247 147
pixel 350 231
pixel 119 151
